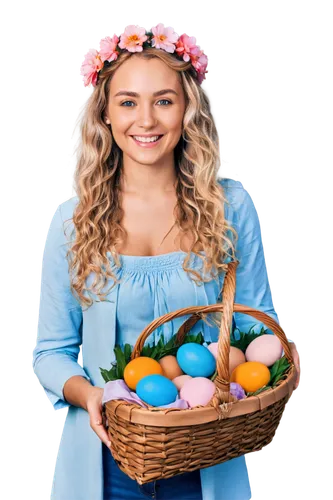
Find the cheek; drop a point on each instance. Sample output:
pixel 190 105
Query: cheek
pixel 121 122
pixel 173 123
pixel 175 119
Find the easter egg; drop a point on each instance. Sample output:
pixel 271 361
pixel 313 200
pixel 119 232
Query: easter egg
pixel 236 357
pixel 237 390
pixel 266 349
pixel 197 391
pixel 140 367
pixel 251 375
pixel 213 348
pixel 180 381
pixel 170 366
pixel 196 360
pixel 156 390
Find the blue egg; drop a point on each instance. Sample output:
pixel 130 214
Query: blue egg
pixel 156 390
pixel 196 360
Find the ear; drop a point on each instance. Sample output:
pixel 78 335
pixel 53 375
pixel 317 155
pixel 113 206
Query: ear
pixel 106 120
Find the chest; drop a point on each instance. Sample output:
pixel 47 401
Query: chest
pixel 150 228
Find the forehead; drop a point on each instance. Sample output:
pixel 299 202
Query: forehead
pixel 144 76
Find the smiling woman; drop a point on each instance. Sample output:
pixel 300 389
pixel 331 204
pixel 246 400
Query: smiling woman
pixel 155 163
pixel 151 230
pixel 145 117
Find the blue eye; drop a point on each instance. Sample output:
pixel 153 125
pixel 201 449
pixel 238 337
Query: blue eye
pixel 165 100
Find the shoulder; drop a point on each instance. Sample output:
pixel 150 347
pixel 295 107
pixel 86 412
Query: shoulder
pixel 240 209
pixel 61 217
pixel 234 192
pixel 66 208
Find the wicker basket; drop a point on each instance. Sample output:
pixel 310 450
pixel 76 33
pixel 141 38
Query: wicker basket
pixel 157 443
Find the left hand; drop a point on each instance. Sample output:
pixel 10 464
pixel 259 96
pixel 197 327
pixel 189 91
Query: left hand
pixel 296 362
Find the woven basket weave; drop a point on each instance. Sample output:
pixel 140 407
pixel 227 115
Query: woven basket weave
pixel 154 443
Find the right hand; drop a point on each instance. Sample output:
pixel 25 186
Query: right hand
pixel 95 408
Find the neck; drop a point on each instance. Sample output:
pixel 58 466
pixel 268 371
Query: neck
pixel 148 180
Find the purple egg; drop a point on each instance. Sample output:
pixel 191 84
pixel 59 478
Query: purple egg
pixel 237 390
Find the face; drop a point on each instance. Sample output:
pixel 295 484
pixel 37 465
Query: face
pixel 144 108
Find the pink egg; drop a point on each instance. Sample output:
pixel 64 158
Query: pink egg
pixel 236 357
pixel 213 349
pixel 266 349
pixel 197 391
pixel 180 380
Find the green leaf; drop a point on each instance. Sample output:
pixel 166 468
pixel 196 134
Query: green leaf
pixel 154 353
pixel 121 362
pixel 274 369
pixel 127 352
pixel 160 343
pixel 147 350
pixel 171 343
pixel 258 391
pixel 105 374
pixel 245 338
pixel 109 375
pixel 197 339
pixel 278 370
pixel 200 338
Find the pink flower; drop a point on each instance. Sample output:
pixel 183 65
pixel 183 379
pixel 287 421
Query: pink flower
pixel 186 47
pixel 200 64
pixel 108 50
pixel 90 67
pixel 133 38
pixel 164 38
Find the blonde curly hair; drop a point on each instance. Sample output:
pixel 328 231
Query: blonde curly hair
pixel 98 214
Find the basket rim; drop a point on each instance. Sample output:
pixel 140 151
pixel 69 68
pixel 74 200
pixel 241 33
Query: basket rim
pixel 170 417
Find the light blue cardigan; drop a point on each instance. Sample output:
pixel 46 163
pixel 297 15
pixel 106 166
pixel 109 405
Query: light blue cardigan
pixel 63 327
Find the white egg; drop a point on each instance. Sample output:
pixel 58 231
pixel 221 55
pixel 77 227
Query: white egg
pixel 266 349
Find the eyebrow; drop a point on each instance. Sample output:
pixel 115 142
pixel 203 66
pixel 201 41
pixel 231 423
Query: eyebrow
pixel 135 94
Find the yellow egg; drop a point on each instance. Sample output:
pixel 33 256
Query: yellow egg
pixel 170 366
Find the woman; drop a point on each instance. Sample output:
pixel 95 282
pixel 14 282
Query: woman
pixel 150 212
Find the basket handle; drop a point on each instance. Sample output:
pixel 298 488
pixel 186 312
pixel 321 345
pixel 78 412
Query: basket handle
pixel 227 307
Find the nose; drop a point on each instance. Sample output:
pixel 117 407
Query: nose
pixel 146 116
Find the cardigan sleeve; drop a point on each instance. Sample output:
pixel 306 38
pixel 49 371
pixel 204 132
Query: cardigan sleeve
pixel 59 333
pixel 252 284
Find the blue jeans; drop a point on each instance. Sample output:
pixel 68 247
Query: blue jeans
pixel 119 486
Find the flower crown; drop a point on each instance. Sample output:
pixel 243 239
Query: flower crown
pixel 135 39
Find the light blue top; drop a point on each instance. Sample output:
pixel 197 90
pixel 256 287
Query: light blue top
pixel 151 287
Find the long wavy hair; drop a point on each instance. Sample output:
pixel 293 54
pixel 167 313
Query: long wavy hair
pixel 98 214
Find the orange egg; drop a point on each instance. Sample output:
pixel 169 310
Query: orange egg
pixel 251 375
pixel 140 367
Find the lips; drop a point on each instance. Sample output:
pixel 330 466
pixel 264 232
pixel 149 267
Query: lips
pixel 148 136
pixel 147 144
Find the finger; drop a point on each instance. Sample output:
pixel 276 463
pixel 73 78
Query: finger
pixel 101 432
pixel 96 423
pixel 105 420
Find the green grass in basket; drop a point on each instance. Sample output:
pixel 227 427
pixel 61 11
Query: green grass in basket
pixel 156 352
pixel 161 349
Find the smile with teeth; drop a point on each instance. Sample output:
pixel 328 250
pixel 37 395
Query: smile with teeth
pixel 146 139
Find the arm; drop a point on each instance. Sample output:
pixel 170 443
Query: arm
pixel 59 333
pixel 252 285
